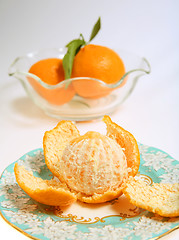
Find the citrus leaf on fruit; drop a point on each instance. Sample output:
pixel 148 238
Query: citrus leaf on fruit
pixel 73 48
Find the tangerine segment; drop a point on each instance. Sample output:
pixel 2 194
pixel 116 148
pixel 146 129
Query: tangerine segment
pixel 54 143
pixel 93 164
pixel 160 198
pixel 127 141
pixel 90 88
pixel 51 72
pixel 49 192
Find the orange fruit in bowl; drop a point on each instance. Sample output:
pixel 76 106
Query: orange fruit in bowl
pixel 98 62
pixel 51 72
pixel 92 168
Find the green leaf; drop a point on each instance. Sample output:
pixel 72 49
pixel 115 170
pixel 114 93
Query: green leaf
pixel 73 48
pixel 96 29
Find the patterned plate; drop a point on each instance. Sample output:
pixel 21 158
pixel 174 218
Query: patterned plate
pixel 117 219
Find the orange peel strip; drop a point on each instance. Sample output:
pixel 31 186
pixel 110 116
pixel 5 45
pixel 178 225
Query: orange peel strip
pixel 55 141
pixel 49 192
pixel 127 141
pixel 160 198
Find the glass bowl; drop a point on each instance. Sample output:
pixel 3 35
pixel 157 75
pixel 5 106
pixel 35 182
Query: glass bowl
pixel 78 99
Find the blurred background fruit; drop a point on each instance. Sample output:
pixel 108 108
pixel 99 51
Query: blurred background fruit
pixel 51 72
pixel 99 62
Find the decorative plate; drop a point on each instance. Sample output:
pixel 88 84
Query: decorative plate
pixel 117 219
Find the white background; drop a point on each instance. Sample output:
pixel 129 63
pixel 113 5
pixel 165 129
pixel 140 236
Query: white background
pixel 148 28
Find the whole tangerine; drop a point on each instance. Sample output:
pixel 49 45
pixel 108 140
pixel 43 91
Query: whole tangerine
pixel 99 62
pixel 51 72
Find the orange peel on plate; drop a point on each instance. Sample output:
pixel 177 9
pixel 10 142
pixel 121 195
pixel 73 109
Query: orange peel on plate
pixel 160 198
pixel 92 168
pixel 49 192
pixel 127 141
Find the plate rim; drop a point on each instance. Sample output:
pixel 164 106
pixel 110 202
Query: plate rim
pixel 41 150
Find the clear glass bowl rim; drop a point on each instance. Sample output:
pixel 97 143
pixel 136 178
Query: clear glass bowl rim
pixel 66 82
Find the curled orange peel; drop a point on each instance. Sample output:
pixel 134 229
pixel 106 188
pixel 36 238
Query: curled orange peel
pixel 49 192
pixel 54 143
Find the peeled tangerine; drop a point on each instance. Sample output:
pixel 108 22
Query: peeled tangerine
pixel 92 168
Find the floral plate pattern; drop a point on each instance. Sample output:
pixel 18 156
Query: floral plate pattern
pixel 82 221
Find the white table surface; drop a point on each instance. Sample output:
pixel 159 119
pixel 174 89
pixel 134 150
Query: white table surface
pixel 148 28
